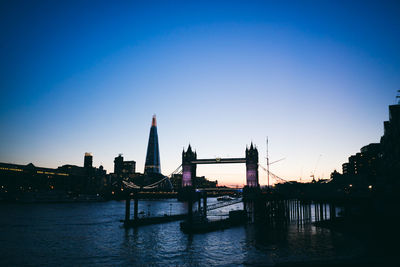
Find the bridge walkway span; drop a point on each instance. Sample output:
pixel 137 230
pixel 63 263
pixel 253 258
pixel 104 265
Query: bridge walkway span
pixel 223 204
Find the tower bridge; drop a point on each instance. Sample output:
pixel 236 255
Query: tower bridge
pixel 253 200
pixel 251 192
pixel 190 161
pixel 258 206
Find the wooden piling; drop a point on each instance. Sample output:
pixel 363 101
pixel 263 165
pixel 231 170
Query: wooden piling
pixel 190 210
pixel 321 212
pixel 333 211
pixel 199 204
pixel 204 204
pixel 135 207
pixel 315 212
pixel 127 209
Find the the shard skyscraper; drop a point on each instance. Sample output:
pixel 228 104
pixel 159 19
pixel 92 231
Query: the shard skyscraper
pixel 152 164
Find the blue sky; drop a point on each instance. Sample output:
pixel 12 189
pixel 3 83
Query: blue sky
pixel 86 76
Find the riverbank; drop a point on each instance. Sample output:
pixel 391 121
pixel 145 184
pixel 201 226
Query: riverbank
pixel 379 236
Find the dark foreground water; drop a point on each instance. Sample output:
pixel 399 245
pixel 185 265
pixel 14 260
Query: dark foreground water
pixel 84 234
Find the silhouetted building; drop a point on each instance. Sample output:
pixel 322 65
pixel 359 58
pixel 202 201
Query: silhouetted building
pixel 176 181
pixel 346 168
pixel 129 168
pixel 202 182
pixel 353 164
pixel 334 175
pixel 198 182
pixel 118 164
pixel 378 163
pixel 370 159
pixel 29 178
pixel 390 142
pixel 18 179
pixel 88 161
pixel 363 167
pixel 124 168
pixel 152 179
pixel 152 164
pixel 73 169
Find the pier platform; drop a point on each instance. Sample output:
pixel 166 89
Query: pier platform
pixel 153 220
pixel 201 224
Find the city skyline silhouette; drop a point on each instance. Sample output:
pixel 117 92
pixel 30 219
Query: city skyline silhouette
pixel 315 78
pixel 199 133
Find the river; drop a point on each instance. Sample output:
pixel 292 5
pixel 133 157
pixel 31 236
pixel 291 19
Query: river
pixel 87 234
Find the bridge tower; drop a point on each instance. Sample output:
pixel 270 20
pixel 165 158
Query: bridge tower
pixel 188 168
pixel 252 197
pixel 252 166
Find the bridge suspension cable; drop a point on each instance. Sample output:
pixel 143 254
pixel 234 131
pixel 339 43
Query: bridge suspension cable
pixel 131 185
pixel 274 176
pixel 176 171
pixel 222 204
pixel 153 185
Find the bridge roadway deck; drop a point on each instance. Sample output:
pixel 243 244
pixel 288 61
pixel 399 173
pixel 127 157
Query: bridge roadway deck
pixel 219 189
pixel 223 204
pixel 219 160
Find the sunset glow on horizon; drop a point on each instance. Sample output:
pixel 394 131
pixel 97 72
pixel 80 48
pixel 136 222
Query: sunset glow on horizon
pixel 316 78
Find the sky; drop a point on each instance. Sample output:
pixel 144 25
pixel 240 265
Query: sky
pixel 316 77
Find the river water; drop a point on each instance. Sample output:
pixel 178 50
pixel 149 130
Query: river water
pixel 86 234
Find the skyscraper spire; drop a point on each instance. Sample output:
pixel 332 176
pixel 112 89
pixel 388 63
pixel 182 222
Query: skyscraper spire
pixel 152 164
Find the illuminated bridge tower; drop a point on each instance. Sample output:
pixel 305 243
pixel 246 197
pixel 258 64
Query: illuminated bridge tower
pixel 252 167
pixel 152 164
pixel 188 168
pixel 252 197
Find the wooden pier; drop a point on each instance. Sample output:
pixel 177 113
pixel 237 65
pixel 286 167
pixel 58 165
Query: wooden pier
pixel 200 223
pixel 259 207
pixel 153 220
pixel 136 221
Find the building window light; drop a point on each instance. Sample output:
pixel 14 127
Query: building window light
pixel 10 169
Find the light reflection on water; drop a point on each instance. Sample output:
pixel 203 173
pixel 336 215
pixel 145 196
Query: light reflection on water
pixel 91 234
